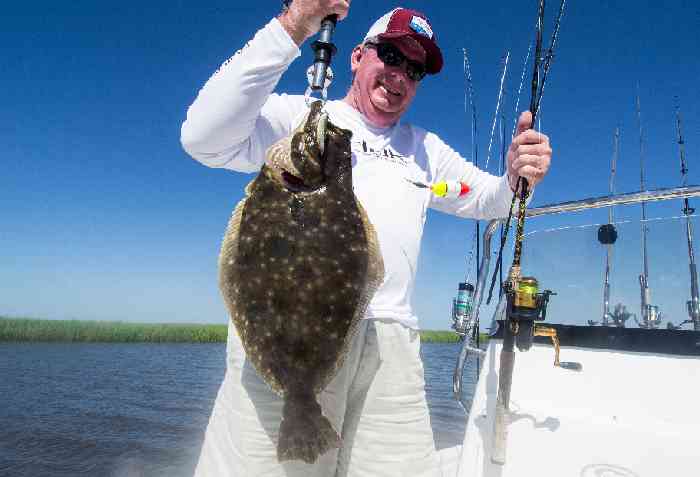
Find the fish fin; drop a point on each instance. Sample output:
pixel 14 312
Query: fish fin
pixel 227 257
pixel 279 155
pixel 375 277
pixel 249 188
pixel 229 246
pixel 305 433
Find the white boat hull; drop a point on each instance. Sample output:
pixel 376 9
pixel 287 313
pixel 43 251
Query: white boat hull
pixel 625 414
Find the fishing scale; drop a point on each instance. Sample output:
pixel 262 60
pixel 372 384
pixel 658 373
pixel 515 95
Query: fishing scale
pixel 319 74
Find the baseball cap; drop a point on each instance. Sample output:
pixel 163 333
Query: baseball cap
pixel 401 22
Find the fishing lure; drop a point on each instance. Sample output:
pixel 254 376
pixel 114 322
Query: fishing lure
pixel 448 189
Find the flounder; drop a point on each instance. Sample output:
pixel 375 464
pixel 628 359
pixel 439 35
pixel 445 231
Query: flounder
pixel 299 264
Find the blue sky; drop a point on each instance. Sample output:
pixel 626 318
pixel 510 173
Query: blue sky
pixel 105 217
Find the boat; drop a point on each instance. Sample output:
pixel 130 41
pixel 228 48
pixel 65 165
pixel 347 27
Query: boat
pixel 585 400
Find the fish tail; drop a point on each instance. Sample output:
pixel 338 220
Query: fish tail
pixel 305 433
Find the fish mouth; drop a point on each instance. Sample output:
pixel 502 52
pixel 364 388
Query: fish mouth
pixel 295 183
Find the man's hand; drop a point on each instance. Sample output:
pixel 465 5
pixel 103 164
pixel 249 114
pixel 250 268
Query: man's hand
pixel 529 154
pixel 303 17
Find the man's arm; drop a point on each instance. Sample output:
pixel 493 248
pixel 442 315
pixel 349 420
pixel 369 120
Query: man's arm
pixel 235 116
pixel 490 197
pixel 224 125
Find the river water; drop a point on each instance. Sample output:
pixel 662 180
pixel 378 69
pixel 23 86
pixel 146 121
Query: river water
pixel 140 410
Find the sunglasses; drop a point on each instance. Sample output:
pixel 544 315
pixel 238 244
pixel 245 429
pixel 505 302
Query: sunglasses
pixel 392 56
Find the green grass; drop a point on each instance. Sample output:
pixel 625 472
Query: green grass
pixel 441 336
pixel 76 331
pixel 438 336
pixel 21 329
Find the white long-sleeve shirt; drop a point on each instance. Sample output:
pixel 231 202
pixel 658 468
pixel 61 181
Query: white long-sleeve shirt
pixel 236 117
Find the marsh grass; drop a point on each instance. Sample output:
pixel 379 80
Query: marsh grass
pixel 77 331
pixel 21 329
pixel 438 336
pixel 443 336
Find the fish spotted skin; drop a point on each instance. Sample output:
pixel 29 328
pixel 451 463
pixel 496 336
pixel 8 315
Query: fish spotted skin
pixel 299 264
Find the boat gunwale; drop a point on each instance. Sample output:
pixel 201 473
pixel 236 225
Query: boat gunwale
pixel 653 195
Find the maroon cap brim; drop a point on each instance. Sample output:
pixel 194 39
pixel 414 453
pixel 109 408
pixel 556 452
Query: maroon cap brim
pixel 433 55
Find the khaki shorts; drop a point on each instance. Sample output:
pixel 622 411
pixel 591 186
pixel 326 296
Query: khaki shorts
pixel 377 399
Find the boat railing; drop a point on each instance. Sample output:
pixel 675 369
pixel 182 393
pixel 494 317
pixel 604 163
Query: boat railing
pixel 483 282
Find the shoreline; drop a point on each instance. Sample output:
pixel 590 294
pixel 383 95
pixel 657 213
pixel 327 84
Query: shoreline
pixel 31 330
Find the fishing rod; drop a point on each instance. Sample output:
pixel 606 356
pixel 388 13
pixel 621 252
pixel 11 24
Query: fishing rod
pixel 694 302
pixel 607 235
pixel 462 322
pixel 476 336
pixel 504 229
pixel 475 155
pixel 498 263
pixel 537 91
pixel 524 303
pixel 501 171
pixel 507 361
pixel 493 128
pixel 462 306
pixel 649 313
pixel 693 305
pixel 498 108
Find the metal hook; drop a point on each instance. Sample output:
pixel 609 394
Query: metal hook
pixel 310 91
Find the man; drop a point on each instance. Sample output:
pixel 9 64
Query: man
pixel 377 400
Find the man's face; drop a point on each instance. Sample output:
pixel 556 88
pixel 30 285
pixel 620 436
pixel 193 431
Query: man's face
pixel 381 92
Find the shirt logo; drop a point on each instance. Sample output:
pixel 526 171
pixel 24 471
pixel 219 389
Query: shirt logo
pixel 385 154
pixel 421 26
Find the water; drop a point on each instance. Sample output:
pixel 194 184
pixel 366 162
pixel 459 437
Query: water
pixel 140 410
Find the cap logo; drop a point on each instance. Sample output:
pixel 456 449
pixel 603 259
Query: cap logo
pixel 421 26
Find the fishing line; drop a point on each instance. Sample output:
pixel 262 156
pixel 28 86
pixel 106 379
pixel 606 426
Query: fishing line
pixel 498 108
pixel 520 88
